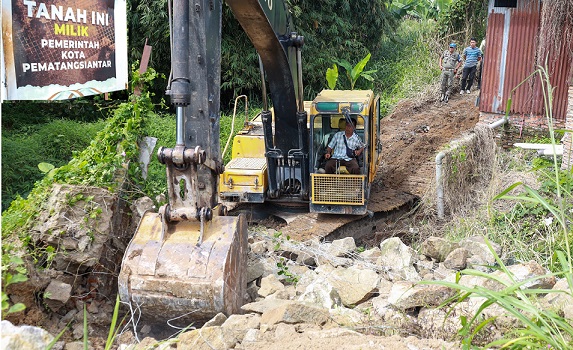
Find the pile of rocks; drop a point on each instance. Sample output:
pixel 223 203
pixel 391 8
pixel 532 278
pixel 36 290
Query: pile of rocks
pixel 323 295
pixel 301 294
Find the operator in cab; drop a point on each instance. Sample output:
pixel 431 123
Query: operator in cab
pixel 344 148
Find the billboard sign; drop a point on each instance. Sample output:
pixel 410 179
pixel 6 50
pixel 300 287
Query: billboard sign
pixel 61 49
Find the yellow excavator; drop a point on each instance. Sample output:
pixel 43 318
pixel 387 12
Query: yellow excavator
pixel 259 172
pixel 188 261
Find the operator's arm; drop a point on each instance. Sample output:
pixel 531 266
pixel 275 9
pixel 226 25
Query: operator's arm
pixel 441 58
pixel 331 145
pixel 327 155
pixel 359 148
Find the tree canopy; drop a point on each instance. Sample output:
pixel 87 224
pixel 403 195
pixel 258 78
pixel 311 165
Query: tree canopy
pixel 332 29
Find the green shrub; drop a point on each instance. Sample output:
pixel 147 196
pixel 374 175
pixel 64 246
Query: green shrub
pixel 406 63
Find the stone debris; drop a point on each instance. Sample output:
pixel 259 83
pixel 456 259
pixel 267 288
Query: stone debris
pixel 437 248
pixel 457 259
pixel 269 285
pixel 341 247
pixel 57 294
pixel 296 312
pixel 320 292
pixel 397 259
pixel 478 247
pixel 315 291
pixel 354 285
pixel 218 320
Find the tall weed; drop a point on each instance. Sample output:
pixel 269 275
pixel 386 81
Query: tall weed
pixel 538 327
pixel 54 142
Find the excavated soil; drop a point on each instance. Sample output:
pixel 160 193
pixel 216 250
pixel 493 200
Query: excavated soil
pixel 414 134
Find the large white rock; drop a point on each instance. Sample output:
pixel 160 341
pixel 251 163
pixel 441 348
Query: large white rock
pixel 354 285
pixel 342 247
pixel 322 293
pixel 397 260
pixel 207 338
pixel 561 299
pixel 269 285
pixel 437 248
pixel 477 245
pixel 531 271
pixel 406 295
pixel 23 337
pixel 238 325
pixel 297 312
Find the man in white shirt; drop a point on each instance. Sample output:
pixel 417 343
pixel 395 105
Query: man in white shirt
pixel 344 152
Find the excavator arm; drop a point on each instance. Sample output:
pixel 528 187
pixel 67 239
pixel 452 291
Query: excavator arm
pixel 188 261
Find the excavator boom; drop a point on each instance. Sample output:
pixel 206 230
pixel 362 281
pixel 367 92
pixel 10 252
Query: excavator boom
pixel 188 261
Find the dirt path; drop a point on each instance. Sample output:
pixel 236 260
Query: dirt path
pixel 326 341
pixel 415 133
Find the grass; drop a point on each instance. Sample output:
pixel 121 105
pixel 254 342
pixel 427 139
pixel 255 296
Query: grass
pixel 57 141
pixel 538 226
pixel 538 327
pixel 54 142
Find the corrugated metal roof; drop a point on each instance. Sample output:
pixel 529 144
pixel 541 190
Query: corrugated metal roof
pixel 510 57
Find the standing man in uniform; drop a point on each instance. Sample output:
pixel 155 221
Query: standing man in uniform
pixel 449 63
pixel 472 55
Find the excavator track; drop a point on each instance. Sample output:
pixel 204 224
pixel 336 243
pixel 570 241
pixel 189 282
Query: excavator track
pixel 302 226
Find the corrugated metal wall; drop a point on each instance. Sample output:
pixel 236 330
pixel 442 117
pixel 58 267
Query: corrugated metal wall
pixel 510 57
pixel 561 80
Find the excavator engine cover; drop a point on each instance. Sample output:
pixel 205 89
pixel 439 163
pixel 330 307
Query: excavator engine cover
pixel 167 275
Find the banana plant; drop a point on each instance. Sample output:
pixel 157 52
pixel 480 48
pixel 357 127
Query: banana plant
pixel 332 76
pixel 352 73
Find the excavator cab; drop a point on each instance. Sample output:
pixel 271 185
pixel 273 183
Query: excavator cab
pixel 341 192
pixel 325 127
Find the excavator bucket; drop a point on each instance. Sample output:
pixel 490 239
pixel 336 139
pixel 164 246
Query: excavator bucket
pixel 168 275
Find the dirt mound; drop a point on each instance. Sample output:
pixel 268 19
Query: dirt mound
pixel 414 133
